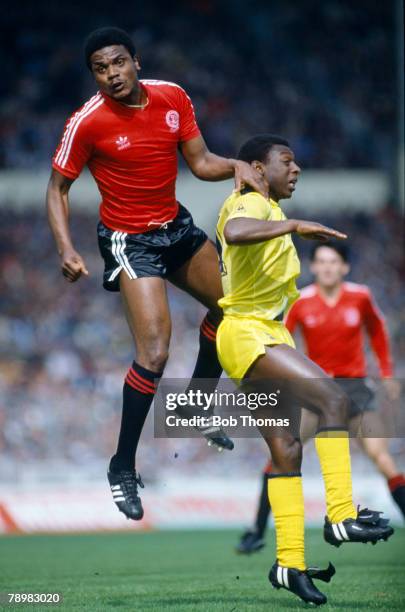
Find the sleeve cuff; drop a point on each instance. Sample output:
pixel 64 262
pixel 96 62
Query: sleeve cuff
pixel 65 172
pixel 194 134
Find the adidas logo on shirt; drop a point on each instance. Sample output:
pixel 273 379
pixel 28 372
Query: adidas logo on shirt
pixel 122 142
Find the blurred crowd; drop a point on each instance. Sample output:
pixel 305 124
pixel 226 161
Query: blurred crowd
pixel 65 349
pixel 320 73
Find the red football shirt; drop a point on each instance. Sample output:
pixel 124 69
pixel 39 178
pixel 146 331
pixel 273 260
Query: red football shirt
pixel 131 153
pixel 334 334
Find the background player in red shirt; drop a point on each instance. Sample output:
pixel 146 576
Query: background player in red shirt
pixel 128 135
pixel 332 316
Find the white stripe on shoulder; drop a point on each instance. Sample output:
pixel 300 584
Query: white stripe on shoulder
pixel 356 287
pixel 72 126
pixel 71 123
pixel 83 115
pixel 159 82
pixel 308 291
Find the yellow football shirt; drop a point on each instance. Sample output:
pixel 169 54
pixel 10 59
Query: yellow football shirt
pixel 258 280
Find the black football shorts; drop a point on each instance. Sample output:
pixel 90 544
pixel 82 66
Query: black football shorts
pixel 361 394
pixel 159 252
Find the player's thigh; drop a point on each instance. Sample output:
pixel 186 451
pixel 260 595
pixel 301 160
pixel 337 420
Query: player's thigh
pixel 147 312
pixel 309 383
pixel 200 277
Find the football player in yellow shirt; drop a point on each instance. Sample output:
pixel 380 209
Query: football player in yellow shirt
pixel 259 265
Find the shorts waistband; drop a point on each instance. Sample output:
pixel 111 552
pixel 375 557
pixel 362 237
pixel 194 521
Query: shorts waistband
pixel 159 225
pixel 278 319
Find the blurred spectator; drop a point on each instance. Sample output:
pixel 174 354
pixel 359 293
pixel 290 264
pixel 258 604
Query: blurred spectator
pixel 322 74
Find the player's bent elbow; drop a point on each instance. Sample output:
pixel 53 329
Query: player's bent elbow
pixel 230 236
pixel 234 233
pixel 58 183
pixel 200 171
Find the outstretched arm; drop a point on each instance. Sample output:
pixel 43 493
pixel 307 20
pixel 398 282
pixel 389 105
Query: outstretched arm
pixel 379 339
pixel 243 230
pixel 378 334
pixel 57 203
pixel 210 167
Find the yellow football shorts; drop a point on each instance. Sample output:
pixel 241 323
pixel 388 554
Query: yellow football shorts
pixel 241 340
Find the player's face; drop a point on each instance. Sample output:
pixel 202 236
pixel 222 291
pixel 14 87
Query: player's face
pixel 115 72
pixel 328 267
pixel 281 172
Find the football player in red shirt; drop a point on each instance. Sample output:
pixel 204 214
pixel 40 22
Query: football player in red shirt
pixel 331 315
pixel 128 135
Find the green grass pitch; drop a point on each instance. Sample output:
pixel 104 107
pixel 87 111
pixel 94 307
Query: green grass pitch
pixel 192 571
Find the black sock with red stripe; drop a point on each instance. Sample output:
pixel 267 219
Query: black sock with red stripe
pixel 397 489
pixel 207 369
pixel 264 509
pixel 207 365
pixel 139 390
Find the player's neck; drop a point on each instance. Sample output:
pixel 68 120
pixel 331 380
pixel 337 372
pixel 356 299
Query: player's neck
pixel 273 196
pixel 331 293
pixel 137 98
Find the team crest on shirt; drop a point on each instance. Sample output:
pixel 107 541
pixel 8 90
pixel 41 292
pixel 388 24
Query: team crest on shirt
pixel 310 321
pixel 173 120
pixel 352 317
pixel 122 142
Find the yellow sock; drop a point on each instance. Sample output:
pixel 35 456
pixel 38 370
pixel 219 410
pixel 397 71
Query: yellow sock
pixel 334 456
pixel 286 498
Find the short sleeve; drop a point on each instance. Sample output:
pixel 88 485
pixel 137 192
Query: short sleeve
pixel 74 148
pixel 188 123
pixel 252 205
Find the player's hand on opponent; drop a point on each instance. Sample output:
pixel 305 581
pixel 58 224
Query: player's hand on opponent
pixel 246 175
pixel 310 230
pixel 72 265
